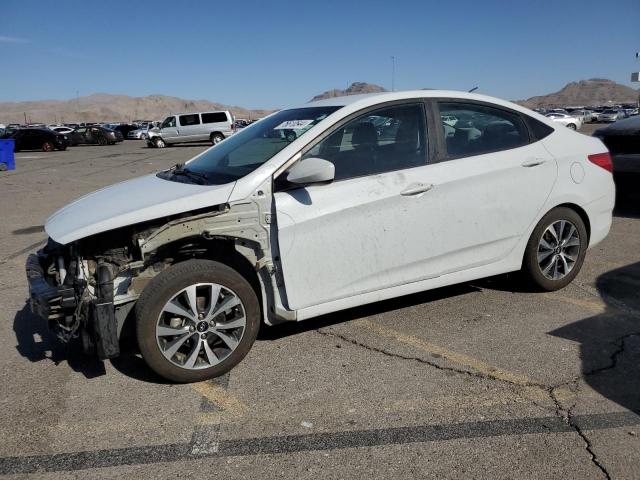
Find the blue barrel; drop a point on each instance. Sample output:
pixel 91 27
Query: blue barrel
pixel 7 159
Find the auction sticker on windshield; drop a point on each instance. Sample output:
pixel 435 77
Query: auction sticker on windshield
pixel 293 124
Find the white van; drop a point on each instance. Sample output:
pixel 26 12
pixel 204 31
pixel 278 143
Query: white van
pixel 192 127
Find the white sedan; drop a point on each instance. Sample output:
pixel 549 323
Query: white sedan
pixel 568 121
pixel 267 227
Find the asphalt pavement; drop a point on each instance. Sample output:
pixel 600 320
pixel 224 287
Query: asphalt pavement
pixel 479 380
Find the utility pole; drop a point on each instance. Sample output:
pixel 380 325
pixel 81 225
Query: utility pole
pixel 25 117
pixel 393 73
pixel 635 77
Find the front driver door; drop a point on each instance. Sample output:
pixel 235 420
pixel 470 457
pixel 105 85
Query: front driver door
pixel 169 129
pixel 356 234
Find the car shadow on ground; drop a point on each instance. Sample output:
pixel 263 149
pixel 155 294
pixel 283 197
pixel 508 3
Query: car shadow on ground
pixel 37 343
pixel 293 328
pixel 610 341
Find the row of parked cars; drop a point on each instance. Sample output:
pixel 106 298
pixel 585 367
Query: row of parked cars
pixel 574 118
pixel 210 126
pixel 59 137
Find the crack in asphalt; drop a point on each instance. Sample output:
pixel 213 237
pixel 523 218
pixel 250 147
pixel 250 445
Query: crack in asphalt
pixel 565 414
pixel 613 358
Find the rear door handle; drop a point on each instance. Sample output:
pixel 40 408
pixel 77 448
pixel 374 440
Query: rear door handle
pixel 416 189
pixel 533 162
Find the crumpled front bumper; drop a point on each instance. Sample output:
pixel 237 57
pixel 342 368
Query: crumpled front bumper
pixel 48 301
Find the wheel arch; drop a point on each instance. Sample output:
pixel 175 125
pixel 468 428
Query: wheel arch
pixel 581 212
pixel 219 249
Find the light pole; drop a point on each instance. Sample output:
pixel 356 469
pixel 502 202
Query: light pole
pixel 635 77
pixel 393 73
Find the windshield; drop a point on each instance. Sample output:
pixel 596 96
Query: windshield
pixel 245 151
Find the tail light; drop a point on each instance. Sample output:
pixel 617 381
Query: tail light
pixel 602 160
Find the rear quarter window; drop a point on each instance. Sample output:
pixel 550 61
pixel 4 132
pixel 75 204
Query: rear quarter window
pixel 538 129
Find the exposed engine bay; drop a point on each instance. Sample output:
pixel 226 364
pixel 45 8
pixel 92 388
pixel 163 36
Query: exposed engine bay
pixel 86 289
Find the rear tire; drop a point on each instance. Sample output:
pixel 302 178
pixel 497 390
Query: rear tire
pixel 216 138
pixel 556 250
pixel 192 360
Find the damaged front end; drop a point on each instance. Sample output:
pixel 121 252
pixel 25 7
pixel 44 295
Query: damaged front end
pixel 76 296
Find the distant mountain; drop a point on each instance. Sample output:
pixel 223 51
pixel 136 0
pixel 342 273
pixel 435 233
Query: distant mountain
pixel 596 91
pixel 356 88
pixel 103 107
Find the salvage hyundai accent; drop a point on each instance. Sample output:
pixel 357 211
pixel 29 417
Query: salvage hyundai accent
pixel 315 209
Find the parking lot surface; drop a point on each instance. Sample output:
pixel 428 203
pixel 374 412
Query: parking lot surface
pixel 480 380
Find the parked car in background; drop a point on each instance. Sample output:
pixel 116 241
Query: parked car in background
pixel 192 127
pixel 37 139
pixel 260 230
pixel 62 130
pixel 125 128
pixel 622 138
pixel 94 136
pixel 631 112
pixel 565 119
pixel 138 134
pixel 611 116
pixel 585 116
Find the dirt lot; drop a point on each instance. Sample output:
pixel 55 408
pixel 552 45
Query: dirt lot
pixel 481 380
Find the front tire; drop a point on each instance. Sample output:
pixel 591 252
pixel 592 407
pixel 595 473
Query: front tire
pixel 196 321
pixel 572 126
pixel 102 141
pixel 556 250
pixel 47 147
pixel 159 143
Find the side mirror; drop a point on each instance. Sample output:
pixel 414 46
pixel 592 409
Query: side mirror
pixel 310 171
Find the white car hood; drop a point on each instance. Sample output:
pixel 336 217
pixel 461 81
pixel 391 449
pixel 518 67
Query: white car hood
pixel 130 202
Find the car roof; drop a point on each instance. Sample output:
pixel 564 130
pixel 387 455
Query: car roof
pixel 370 99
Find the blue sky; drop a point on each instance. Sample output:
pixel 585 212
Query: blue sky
pixel 271 54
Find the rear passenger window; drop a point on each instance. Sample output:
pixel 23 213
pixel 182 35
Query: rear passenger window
pixel 215 117
pixel 192 119
pixel 472 129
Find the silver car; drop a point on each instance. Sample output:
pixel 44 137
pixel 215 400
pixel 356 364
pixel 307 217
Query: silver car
pixel 611 116
pixel 192 127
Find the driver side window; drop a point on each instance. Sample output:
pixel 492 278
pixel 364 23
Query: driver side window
pixel 169 122
pixel 385 140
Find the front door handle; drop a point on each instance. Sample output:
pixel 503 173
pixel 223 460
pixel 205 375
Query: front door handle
pixel 533 162
pixel 416 189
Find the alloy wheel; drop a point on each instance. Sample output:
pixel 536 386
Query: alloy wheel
pixel 201 326
pixel 558 249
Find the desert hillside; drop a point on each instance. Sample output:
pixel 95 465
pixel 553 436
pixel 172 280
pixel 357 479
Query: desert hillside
pixel 356 88
pixel 102 107
pixel 596 91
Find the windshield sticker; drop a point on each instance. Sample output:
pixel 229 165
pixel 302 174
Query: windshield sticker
pixel 293 124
